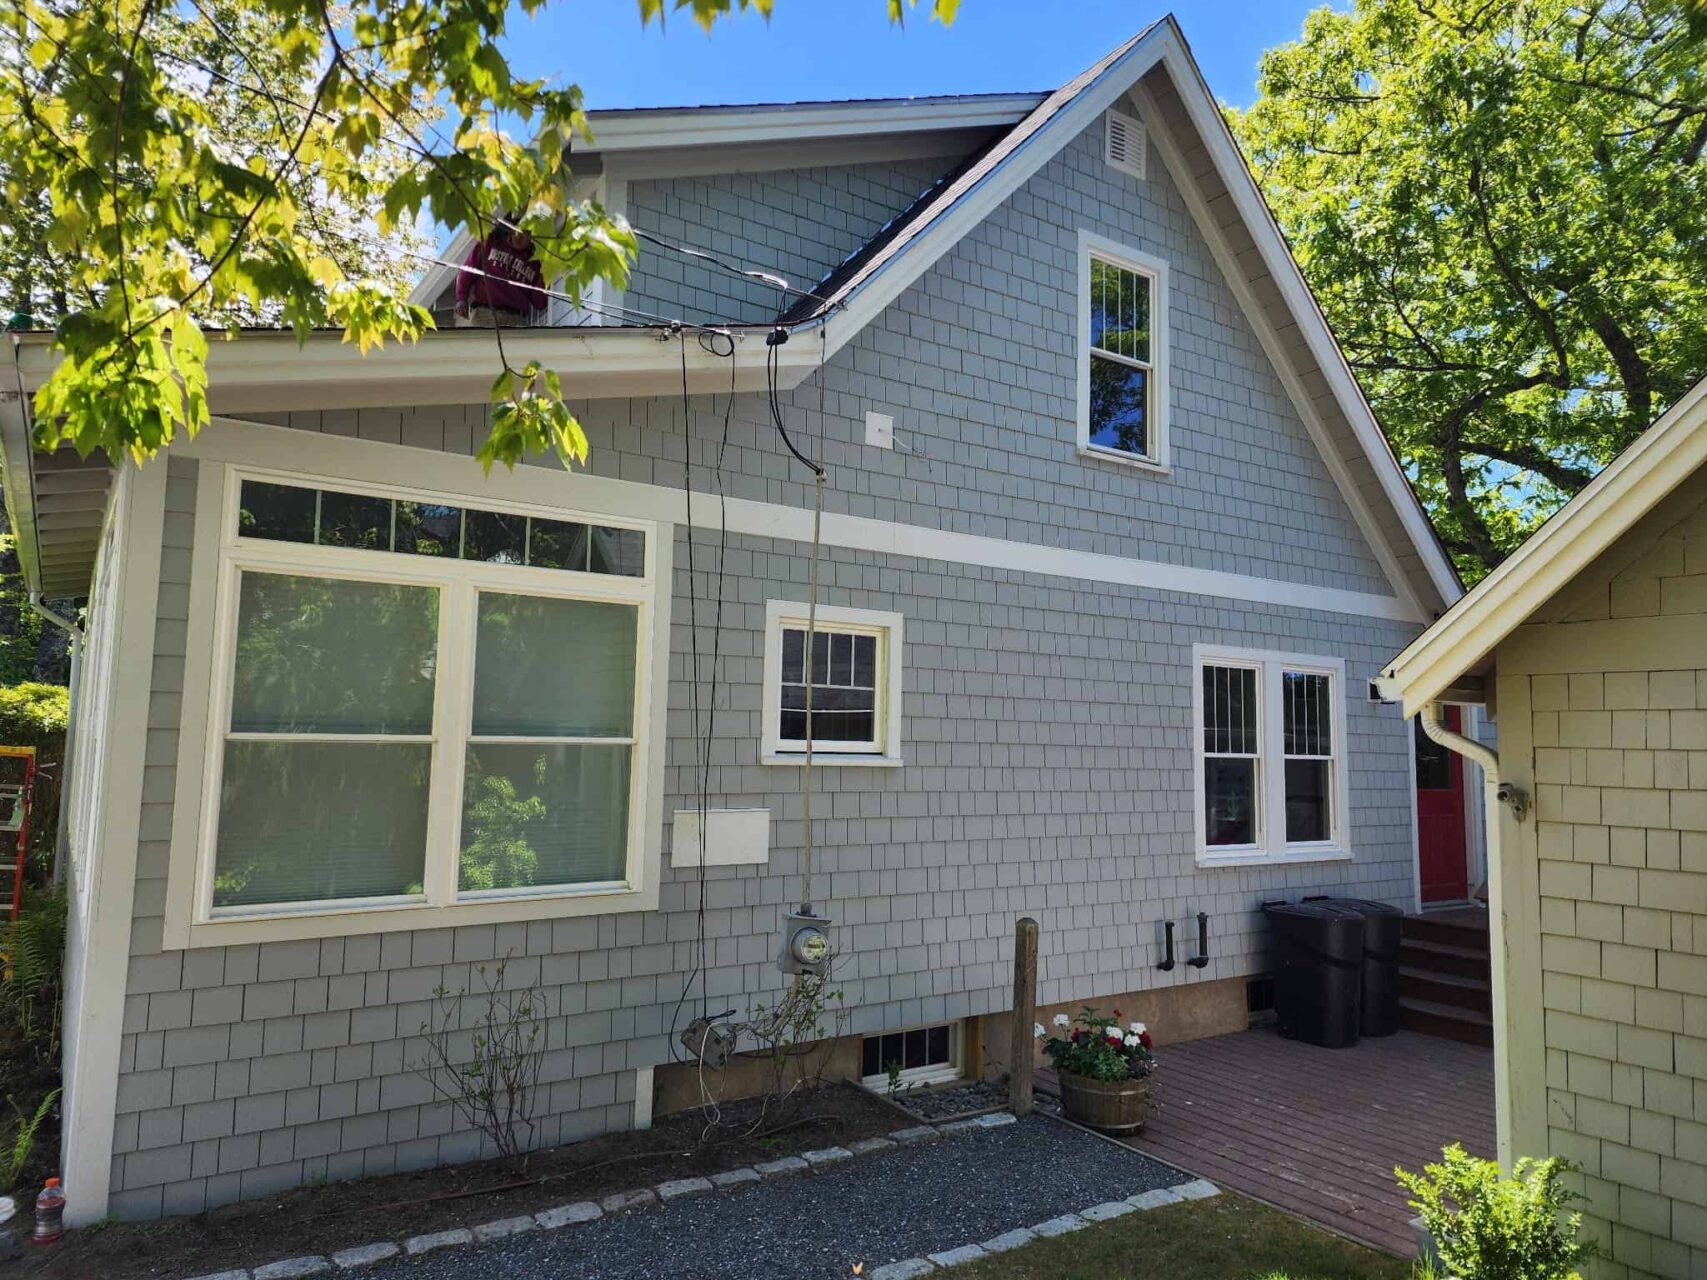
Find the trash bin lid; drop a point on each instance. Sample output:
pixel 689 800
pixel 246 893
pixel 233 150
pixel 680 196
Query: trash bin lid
pixel 1315 909
pixel 1367 907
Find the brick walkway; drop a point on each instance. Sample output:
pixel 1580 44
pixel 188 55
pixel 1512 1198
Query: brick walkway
pixel 1318 1131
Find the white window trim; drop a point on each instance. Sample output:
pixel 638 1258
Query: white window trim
pixel 889 627
pixel 1156 269
pixel 220 554
pixel 1271 845
pixel 950 1072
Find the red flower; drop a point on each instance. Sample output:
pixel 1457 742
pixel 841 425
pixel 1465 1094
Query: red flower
pixel 1117 1013
pixel 1145 1040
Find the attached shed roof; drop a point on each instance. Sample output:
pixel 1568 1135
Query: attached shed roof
pixel 1461 643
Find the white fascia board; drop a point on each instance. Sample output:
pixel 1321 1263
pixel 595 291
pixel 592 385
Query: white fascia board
pixel 271 372
pixel 657 128
pixel 1211 125
pixel 17 471
pixel 439 276
pixel 1662 458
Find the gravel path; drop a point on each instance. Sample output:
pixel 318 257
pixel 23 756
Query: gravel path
pixel 965 1188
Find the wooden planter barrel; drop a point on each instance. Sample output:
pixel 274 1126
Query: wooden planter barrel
pixel 1113 1106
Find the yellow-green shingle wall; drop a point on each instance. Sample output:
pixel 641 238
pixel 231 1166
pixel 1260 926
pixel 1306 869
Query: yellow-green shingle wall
pixel 1616 682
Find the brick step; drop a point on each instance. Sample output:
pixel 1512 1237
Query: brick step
pixel 1449 933
pixel 1431 987
pixel 1438 958
pixel 1446 1021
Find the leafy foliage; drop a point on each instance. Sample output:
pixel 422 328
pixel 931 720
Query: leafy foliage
pixel 16 1159
pixel 1502 207
pixel 1487 1226
pixel 1096 1046
pixel 175 167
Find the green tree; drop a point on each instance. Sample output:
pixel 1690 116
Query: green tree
pixel 160 220
pixel 1502 206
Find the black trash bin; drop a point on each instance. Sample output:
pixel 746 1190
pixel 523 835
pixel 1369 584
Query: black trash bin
pixel 1318 971
pixel 1382 925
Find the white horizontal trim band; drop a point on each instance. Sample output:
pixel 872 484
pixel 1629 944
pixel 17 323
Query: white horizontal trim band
pixel 261 445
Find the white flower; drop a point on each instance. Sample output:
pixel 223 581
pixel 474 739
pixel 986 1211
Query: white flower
pixel 1062 1020
pixel 1037 1031
pixel 1137 1028
pixel 1132 1041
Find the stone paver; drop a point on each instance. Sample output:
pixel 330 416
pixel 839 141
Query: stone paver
pixel 1107 1212
pixel 1060 1226
pixel 365 1255
pixel 676 1188
pixel 1009 1240
pixel 734 1177
pixel 906 1269
pixel 826 1155
pixel 782 1168
pixel 623 1201
pixel 292 1268
pixel 224 1275
pixel 917 1133
pixel 955 1257
pixel 865 1146
pixel 1201 1189
pixel 1152 1199
pixel 504 1227
pixel 568 1214
pixel 416 1245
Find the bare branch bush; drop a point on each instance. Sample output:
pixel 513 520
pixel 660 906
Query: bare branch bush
pixel 485 1050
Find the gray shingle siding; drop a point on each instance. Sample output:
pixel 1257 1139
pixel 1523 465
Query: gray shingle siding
pixel 1045 728
pixel 796 223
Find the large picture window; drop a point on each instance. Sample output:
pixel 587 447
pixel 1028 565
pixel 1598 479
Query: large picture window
pixel 421 708
pixel 1123 397
pixel 1270 756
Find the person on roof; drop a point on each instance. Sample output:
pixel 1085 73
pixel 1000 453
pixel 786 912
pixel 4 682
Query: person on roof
pixel 502 285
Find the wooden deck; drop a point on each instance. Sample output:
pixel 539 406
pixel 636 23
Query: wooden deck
pixel 1318 1131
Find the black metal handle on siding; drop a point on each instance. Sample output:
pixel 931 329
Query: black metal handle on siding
pixel 1168 931
pixel 1201 959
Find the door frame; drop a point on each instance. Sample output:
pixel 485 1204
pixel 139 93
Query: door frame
pixel 1475 844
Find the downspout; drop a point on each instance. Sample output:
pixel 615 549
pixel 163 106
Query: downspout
pixel 74 643
pixel 1496 792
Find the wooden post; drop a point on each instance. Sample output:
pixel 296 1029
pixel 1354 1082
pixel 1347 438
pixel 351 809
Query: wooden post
pixel 1022 1053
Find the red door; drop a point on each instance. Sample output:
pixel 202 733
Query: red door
pixel 1441 846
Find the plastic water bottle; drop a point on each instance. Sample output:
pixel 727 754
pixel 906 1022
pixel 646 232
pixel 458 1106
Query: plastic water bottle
pixel 50 1214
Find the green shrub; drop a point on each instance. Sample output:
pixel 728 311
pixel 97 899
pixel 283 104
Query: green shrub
pixel 1487 1226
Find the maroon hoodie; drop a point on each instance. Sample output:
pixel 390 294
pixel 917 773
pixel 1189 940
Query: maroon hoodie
pixel 510 271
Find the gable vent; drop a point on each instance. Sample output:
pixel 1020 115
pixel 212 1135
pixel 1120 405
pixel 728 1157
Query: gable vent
pixel 1123 143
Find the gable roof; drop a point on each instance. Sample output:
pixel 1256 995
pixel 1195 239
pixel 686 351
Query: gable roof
pixel 1152 74
pixel 1656 463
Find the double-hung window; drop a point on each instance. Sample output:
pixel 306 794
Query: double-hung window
pixel 1270 756
pixel 1123 333
pixel 422 713
pixel 850 673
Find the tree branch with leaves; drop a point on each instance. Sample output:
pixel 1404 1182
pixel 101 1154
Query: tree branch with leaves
pixel 179 170
pixel 1502 206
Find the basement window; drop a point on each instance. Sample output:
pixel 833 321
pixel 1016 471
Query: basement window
pixel 921 1056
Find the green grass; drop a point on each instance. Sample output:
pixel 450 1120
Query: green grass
pixel 1227 1238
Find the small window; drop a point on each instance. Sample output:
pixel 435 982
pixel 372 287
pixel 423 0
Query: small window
pixel 1122 368
pixel 850 672
pixel 909 1059
pixel 1270 756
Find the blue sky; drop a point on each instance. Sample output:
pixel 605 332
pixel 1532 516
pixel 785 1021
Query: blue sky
pixel 847 48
